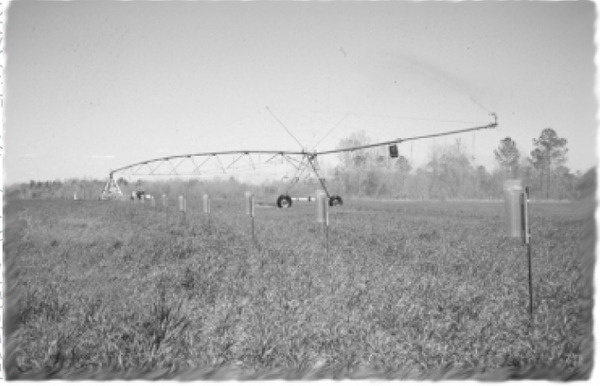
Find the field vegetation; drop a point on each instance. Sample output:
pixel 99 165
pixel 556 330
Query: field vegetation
pixel 404 290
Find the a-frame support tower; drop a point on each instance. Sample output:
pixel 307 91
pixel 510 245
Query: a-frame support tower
pixel 111 189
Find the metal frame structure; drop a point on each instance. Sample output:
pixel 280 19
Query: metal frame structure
pixel 300 160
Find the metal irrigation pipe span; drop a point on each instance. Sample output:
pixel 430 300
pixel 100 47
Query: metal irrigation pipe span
pixel 311 155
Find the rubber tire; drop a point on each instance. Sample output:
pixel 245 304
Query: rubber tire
pixel 335 201
pixel 284 201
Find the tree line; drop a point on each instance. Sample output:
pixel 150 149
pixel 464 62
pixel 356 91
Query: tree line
pixel 448 173
pixel 91 189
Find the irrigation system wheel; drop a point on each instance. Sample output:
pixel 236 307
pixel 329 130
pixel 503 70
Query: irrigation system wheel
pixel 335 201
pixel 284 201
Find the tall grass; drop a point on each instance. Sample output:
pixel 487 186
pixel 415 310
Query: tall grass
pixel 409 290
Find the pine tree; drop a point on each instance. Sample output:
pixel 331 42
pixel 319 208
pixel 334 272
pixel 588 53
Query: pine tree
pixel 508 156
pixel 550 151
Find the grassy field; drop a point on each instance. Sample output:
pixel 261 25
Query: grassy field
pixel 406 290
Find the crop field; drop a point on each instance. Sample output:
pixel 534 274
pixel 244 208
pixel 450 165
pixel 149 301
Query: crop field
pixel 407 290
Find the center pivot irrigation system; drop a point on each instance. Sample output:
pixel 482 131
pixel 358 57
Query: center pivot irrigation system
pixel 200 164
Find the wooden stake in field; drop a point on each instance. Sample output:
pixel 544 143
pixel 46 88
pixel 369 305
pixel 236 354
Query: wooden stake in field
pixel 206 206
pixel 517 222
pixel 165 201
pixel 182 207
pixel 250 210
pixel 323 215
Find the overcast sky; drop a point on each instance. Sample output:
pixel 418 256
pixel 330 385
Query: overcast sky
pixel 93 86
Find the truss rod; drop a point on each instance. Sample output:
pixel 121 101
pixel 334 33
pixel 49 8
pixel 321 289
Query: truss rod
pixel 276 155
pixel 159 164
pixel 291 161
pixel 195 165
pixel 252 162
pixel 399 140
pixel 297 174
pixel 286 129
pixel 202 164
pixel 212 153
pixel 236 160
pixel 330 130
pixel 138 169
pixel 176 166
pixel 220 163
pixel 173 171
pixel 312 164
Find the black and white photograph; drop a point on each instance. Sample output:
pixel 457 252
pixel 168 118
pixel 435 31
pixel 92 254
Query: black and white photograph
pixel 298 190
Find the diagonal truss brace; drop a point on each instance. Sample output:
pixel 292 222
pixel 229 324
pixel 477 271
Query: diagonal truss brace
pixel 308 158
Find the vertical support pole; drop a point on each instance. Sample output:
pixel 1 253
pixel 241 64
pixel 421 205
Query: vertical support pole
pixel 250 210
pixel 527 241
pixel 315 169
pixel 206 206
pixel 323 215
pixel 166 205
pixel 182 207
pixel 327 239
pixel 530 281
